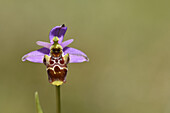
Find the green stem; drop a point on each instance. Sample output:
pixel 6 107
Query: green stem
pixel 58 101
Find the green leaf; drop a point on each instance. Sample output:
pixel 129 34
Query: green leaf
pixel 39 110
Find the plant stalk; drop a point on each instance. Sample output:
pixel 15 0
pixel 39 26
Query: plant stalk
pixel 58 100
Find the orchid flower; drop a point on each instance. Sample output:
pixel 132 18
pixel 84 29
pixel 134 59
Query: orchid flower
pixel 47 54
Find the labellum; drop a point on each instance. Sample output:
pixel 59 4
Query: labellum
pixel 56 64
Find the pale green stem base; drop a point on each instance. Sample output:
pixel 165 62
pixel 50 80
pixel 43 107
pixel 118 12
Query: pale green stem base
pixel 58 101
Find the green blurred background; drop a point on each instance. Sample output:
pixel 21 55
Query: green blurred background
pixel 127 42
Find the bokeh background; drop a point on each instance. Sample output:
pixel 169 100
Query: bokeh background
pixel 127 41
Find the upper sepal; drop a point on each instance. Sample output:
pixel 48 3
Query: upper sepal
pixel 59 32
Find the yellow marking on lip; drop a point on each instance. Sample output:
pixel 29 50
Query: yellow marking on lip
pixel 57 83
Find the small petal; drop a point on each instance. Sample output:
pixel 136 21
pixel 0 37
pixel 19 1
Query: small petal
pixel 58 31
pixel 66 43
pixel 36 56
pixel 76 56
pixel 44 44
